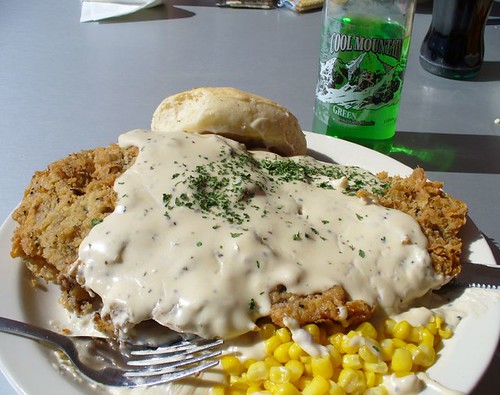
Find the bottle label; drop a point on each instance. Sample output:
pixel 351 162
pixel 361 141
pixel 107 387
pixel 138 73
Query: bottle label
pixel 362 64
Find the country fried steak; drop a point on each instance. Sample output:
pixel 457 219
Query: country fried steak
pixel 72 195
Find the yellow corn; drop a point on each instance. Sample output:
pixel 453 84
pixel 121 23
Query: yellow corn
pixel 367 354
pixel 318 386
pixel 355 364
pixel 401 360
pixel 350 344
pixel 336 340
pixel 284 335
pixel 272 343
pixel 352 381
pixel 257 371
pixel 281 352
pixel 386 349
pixel 379 390
pixel 267 330
pixel 296 369
pixel 322 366
pixel 314 331
pixel 335 356
pixel 295 351
pixel 402 330
pixel 367 330
pixel 231 365
pixel 335 389
pixel 352 361
pixel 279 374
pixel 286 389
pixel 218 390
pixel 426 336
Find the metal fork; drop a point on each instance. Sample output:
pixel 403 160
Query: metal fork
pixel 122 364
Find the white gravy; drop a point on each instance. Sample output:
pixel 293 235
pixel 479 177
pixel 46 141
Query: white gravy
pixel 203 230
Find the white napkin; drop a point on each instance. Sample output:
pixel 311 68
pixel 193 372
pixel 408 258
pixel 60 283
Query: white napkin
pixel 96 10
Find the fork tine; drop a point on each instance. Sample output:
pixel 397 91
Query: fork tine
pixel 184 347
pixel 140 380
pixel 166 354
pixel 164 364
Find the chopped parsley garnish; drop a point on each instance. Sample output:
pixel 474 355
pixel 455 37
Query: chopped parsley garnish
pixel 226 187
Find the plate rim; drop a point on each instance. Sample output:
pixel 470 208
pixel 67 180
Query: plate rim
pixel 317 143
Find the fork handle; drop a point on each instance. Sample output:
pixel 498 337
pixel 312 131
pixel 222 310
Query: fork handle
pixel 31 331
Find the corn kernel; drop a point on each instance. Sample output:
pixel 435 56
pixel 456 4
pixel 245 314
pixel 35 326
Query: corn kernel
pixel 267 330
pixel 426 336
pixel 279 374
pixel 439 321
pixel 272 343
pixel 218 390
pixel 367 330
pixel 432 327
pixel 303 382
pixel 238 382
pixel 271 361
pixel 284 335
pixel 379 390
pixel 318 386
pixel 352 381
pixel 295 351
pixel 257 371
pixel 254 389
pixel 231 365
pixel 386 349
pixel 296 369
pixel 307 365
pixel 248 362
pixel 389 325
pixel 352 361
pixel 412 348
pixel 414 335
pixel 445 332
pixel 314 331
pixel 281 352
pixel 367 354
pixel 371 379
pixel 335 356
pixel 378 367
pixel 398 343
pixel 336 340
pixel 286 389
pixel 322 366
pixel 350 345
pixel 424 356
pixel 402 330
pixel 269 385
pixel 335 389
pixel 401 360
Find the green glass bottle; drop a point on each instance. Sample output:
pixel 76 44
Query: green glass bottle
pixel 363 56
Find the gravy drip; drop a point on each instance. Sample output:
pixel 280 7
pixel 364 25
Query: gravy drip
pixel 203 230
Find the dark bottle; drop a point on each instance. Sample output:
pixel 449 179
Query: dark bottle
pixel 454 46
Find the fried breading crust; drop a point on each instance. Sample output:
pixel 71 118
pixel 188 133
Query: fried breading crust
pixel 59 208
pixel 329 306
pixel 62 203
pixel 439 215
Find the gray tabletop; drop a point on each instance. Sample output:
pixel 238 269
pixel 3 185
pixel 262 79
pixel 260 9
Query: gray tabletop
pixel 67 86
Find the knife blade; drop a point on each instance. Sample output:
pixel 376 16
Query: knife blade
pixel 476 275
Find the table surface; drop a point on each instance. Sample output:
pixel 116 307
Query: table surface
pixel 67 86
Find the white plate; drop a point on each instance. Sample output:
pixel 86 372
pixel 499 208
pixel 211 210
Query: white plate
pixel 30 368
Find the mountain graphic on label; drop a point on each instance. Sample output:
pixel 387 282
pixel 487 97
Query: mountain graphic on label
pixel 365 82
